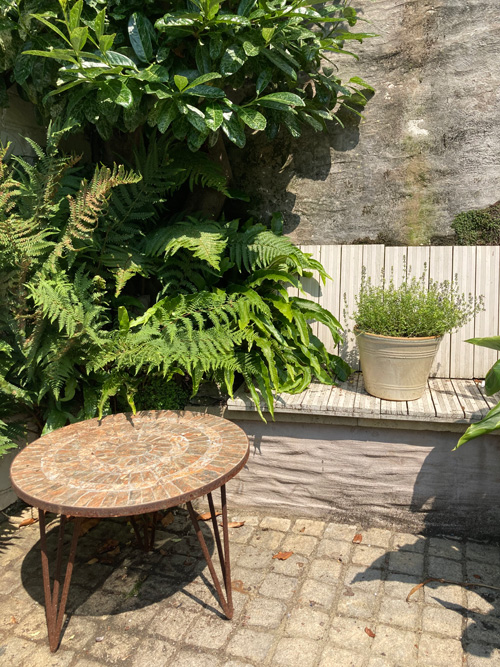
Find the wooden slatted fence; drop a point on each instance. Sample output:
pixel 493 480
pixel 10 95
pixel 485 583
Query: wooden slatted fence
pixel 477 269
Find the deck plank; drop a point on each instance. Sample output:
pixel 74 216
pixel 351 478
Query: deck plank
pixel 445 400
pixel 365 404
pixel 423 408
pixel 342 397
pixel 394 409
pixel 471 399
pixel 490 400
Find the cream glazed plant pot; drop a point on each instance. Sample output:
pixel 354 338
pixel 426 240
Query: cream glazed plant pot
pixel 394 368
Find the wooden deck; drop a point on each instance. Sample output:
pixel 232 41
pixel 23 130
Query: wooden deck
pixel 445 401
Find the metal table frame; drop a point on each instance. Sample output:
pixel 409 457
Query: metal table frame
pixel 56 588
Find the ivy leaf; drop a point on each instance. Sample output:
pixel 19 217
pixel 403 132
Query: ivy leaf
pixel 233 130
pixel 245 7
pixel 252 118
pixel 74 15
pixel 250 48
pixel 115 58
pixel 213 116
pixel 141 35
pixel 267 34
pixel 106 42
pixel 205 91
pixel 290 99
pixel 210 76
pixel 361 82
pixel 118 92
pixel 99 23
pixel 263 80
pixel 232 60
pixel 280 63
pixel 232 19
pixel 79 38
pixel 57 54
pixel 181 82
pixel 176 21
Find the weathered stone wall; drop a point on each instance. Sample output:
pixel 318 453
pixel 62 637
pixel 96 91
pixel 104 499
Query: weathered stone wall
pixel 429 146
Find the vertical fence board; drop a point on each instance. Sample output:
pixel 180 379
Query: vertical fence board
pixel 331 300
pixel 441 268
pixel 487 322
pixel 395 261
pixel 418 261
pixel 462 353
pixel 350 278
pixel 373 262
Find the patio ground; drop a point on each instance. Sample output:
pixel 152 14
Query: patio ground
pixel 332 603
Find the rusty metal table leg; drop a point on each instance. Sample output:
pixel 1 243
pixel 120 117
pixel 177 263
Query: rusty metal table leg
pixel 55 607
pixel 223 551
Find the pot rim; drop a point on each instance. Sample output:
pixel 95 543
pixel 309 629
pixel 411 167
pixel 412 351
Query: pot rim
pixel 368 333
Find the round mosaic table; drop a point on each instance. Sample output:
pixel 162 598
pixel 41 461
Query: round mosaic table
pixel 126 465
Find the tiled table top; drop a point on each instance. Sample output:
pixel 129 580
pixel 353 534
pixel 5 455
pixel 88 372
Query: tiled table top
pixel 126 464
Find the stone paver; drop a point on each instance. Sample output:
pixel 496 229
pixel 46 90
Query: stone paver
pixel 332 603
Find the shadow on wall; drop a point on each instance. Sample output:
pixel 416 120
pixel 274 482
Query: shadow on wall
pixel 279 161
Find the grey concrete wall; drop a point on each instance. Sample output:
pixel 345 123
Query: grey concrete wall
pixel 427 149
pixel 402 477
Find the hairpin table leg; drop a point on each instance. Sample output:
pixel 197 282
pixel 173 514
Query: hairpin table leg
pixel 55 607
pixel 226 601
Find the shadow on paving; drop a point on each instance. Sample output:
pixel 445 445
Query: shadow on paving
pixel 112 575
pixel 478 605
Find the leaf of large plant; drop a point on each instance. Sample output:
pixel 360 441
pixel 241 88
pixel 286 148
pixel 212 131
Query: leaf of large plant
pixel 490 423
pixel 492 380
pixel 493 342
pixel 141 34
pixel 214 116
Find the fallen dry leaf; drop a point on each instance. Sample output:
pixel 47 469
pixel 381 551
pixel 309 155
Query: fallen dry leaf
pixel 109 557
pixel 348 592
pixel 87 525
pixel 92 561
pixel 13 619
pixel 206 516
pixel 357 539
pixel 27 522
pixel 167 520
pixel 108 545
pixel 476 576
pixel 233 524
pixel 238 586
pixel 370 633
pixel 283 555
pixel 302 529
pixel 453 583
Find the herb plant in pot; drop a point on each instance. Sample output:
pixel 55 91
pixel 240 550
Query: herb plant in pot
pixel 399 328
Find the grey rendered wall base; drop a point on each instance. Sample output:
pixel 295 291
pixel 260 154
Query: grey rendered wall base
pixel 406 478
pixel 7 495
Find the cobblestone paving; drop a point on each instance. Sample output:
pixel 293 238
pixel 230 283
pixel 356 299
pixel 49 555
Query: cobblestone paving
pixel 333 603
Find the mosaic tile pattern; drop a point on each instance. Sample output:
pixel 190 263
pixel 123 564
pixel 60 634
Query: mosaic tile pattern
pixel 126 464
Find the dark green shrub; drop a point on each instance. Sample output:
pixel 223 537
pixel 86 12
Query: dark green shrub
pixel 478 227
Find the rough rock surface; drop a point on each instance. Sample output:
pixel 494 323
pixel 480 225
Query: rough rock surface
pixel 429 145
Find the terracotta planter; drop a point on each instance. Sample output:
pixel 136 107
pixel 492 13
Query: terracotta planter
pixel 396 369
